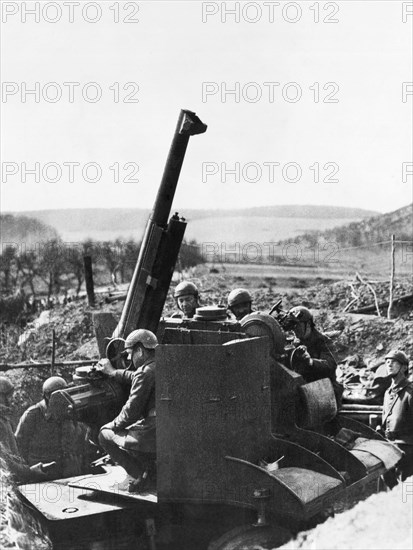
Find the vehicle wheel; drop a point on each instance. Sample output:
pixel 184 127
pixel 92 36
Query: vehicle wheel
pixel 248 537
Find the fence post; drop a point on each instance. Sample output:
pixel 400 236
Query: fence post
pixel 87 262
pixel 392 269
pixel 52 364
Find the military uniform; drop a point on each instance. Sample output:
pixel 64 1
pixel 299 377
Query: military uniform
pixel 131 437
pixel 9 451
pixel 40 438
pixel 324 364
pixel 397 422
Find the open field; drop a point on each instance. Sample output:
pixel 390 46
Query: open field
pixel 293 262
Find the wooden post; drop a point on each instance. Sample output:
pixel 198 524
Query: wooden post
pixel 392 269
pixel 52 365
pixel 376 302
pixel 87 262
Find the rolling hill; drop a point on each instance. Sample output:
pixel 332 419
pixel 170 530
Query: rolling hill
pixel 261 224
pixel 24 229
pixel 371 230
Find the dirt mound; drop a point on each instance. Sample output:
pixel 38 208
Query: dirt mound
pixel 383 521
pixel 366 335
pixel 352 295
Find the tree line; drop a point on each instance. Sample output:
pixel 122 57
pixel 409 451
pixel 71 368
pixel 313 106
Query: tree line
pixel 52 268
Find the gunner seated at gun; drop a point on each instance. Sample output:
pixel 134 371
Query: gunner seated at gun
pixel 10 458
pixel 130 439
pixel 42 438
pixel 313 358
pixel 239 303
pixel 187 299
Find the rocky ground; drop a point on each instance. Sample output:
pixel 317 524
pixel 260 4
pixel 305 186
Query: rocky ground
pixel 369 524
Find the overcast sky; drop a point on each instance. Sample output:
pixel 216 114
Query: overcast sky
pixel 321 109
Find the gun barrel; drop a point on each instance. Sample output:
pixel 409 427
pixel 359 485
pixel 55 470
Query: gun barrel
pixel 161 242
pixel 188 125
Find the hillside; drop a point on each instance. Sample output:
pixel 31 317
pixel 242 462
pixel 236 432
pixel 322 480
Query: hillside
pixel 266 223
pixel 24 229
pixel 285 211
pixel 372 230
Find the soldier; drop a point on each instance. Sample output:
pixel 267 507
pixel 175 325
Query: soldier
pixel 239 303
pixel 186 296
pixel 130 438
pixel 8 445
pixel 314 357
pixel 41 438
pixel 397 420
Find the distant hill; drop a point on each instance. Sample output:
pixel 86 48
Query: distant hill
pixel 101 224
pixel 24 229
pixel 268 222
pixel 285 211
pixel 372 230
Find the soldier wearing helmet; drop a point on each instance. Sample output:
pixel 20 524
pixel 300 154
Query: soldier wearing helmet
pixel 239 303
pixel 42 438
pixel 313 358
pixel 6 432
pixel 130 438
pixel 187 299
pixel 397 419
pixel 9 451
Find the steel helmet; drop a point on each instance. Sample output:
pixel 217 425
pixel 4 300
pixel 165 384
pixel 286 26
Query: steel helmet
pixel 398 356
pixel 186 288
pixel 238 296
pixel 53 383
pixel 301 313
pixel 141 336
pixel 6 387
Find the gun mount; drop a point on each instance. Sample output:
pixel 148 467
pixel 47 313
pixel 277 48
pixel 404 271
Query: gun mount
pixel 240 438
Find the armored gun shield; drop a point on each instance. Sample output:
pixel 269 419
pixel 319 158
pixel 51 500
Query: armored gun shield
pixel 212 401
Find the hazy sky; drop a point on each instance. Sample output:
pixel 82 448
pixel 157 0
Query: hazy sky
pixel 283 86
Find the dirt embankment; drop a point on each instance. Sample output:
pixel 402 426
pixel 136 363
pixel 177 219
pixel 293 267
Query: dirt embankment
pixel 382 522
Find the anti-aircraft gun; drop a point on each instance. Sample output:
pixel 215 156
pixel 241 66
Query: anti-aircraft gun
pixel 94 399
pixel 244 452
